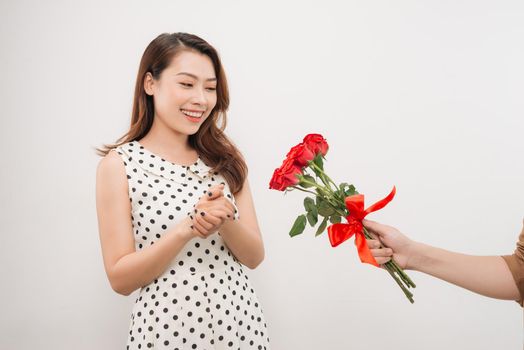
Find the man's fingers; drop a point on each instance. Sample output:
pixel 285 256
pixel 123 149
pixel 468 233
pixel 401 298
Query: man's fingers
pixel 382 261
pixel 382 252
pixel 373 243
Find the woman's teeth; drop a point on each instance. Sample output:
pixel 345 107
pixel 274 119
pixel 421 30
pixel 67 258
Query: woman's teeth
pixel 193 114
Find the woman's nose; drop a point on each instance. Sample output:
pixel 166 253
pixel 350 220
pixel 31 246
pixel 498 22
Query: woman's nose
pixel 200 97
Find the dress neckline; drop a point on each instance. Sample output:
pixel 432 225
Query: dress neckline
pixel 156 165
pixel 146 150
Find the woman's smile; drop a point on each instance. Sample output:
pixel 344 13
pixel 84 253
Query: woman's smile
pixel 193 116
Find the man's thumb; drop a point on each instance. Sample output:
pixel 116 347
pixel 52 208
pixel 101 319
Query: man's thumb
pixel 373 226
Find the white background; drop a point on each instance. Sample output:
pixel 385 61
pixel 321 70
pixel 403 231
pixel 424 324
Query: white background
pixel 424 95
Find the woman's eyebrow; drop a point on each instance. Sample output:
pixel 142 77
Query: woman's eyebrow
pixel 195 77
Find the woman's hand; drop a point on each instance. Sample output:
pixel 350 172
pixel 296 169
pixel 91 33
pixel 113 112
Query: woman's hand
pixel 211 211
pixel 400 247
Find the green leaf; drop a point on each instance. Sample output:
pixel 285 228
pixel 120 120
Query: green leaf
pixel 314 210
pixel 325 209
pixel 311 209
pixel 312 217
pixel 335 219
pixel 298 226
pixel 350 191
pixel 322 226
pixel 309 204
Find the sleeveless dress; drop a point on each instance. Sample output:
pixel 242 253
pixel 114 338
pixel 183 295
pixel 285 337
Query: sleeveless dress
pixel 204 299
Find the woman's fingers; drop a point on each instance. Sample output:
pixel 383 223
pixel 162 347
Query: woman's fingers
pixel 212 218
pixel 211 194
pixel 218 204
pixel 198 230
pixel 202 232
pixel 229 207
pixel 203 223
pixel 221 214
pixel 215 192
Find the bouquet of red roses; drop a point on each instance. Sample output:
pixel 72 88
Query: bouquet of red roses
pixel 303 170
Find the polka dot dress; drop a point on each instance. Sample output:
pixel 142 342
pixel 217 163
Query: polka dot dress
pixel 204 299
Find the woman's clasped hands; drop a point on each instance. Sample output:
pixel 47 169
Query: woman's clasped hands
pixel 211 212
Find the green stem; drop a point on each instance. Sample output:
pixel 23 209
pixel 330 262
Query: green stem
pixel 407 293
pixel 303 190
pixel 342 214
pixel 324 174
pixel 335 206
pixel 327 194
pixel 394 269
pixel 323 179
pixel 407 280
pixel 322 188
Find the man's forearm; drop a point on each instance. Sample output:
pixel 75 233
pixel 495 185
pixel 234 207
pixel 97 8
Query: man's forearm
pixel 485 275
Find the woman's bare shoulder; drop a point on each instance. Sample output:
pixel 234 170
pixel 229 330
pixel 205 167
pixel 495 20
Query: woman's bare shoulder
pixel 111 169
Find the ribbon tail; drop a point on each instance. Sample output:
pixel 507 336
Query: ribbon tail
pixel 381 203
pixel 363 250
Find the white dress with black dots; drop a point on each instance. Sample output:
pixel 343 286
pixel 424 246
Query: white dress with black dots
pixel 204 299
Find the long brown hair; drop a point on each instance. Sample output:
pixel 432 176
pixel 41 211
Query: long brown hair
pixel 210 141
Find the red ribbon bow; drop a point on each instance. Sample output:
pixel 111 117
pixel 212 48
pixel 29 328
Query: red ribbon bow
pixel 338 233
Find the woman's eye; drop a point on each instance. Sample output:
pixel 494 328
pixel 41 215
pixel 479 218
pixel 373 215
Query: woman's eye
pixel 211 89
pixel 186 84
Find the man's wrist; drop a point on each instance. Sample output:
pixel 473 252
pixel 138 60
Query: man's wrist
pixel 418 256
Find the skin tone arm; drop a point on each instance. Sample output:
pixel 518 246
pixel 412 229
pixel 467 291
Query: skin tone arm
pixel 485 275
pixel 242 236
pixel 127 269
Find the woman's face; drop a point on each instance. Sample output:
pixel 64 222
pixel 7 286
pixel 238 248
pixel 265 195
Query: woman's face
pixel 185 93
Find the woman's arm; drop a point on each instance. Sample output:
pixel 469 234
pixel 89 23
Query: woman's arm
pixel 126 268
pixel 486 275
pixel 243 236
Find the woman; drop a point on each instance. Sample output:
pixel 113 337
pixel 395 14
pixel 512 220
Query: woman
pixel 169 195
pixel 492 276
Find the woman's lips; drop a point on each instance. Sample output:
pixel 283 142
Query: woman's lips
pixel 193 116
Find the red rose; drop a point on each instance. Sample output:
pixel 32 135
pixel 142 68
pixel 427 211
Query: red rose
pixel 300 154
pixel 316 143
pixel 285 176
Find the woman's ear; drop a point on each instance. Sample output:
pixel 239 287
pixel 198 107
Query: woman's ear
pixel 148 84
